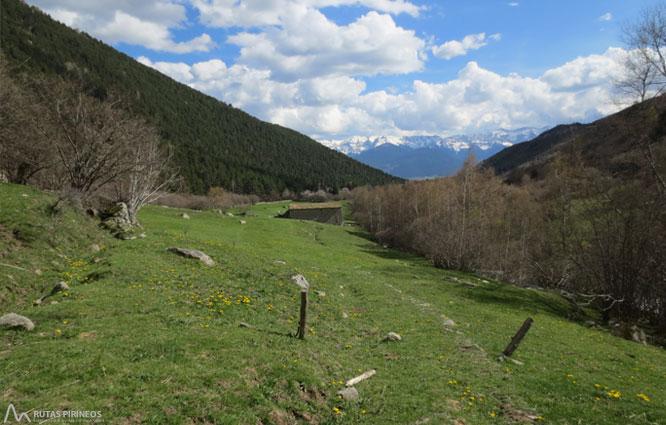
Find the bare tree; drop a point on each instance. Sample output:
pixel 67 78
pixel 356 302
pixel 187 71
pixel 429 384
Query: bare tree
pixel 94 139
pixel 645 63
pixel 25 147
pixel 151 173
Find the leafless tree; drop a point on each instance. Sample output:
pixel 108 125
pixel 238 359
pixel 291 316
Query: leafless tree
pixel 645 63
pixel 94 139
pixel 151 173
pixel 25 146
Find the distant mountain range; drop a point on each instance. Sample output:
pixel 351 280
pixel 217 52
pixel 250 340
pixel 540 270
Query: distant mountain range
pixel 415 157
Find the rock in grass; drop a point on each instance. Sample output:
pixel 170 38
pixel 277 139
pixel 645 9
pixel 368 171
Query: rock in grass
pixel 185 216
pixel 14 321
pixel 448 322
pixel 60 286
pixel 392 336
pixel 193 253
pixel 349 393
pixel 243 222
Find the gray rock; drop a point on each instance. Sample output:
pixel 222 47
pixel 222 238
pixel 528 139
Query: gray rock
pixel 448 322
pixel 349 393
pixel 282 263
pixel 119 210
pixel 14 321
pixel 60 286
pixel 301 281
pixel 185 216
pixel 392 336
pixel 229 214
pixel 193 253
pixel 243 222
pixel 117 220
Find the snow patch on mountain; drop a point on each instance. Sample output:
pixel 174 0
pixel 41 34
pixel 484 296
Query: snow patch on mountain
pixel 483 141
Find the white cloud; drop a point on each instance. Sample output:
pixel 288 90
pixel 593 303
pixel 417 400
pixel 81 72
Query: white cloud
pixel 454 48
pixel 257 13
pixel 606 17
pixel 178 71
pixel 514 4
pixel 132 30
pixel 585 72
pixel 146 23
pixel 310 45
pixel 335 107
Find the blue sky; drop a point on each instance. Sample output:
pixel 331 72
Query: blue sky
pixel 339 68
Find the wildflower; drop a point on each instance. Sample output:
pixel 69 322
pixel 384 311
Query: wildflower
pixel 58 331
pixel 492 414
pixel 644 397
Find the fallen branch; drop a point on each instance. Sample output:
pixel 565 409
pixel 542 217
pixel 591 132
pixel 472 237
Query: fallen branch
pixel 360 378
pixel 14 267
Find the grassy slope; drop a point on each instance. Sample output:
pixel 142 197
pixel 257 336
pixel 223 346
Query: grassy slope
pixel 156 338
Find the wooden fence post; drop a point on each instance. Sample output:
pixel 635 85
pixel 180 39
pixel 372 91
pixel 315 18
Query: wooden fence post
pixel 304 285
pixel 516 340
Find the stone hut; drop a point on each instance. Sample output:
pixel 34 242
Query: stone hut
pixel 329 212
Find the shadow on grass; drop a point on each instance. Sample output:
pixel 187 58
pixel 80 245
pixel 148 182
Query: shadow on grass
pixel 519 299
pixel 266 331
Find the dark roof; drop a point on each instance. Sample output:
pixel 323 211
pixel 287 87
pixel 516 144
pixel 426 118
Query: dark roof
pixel 325 205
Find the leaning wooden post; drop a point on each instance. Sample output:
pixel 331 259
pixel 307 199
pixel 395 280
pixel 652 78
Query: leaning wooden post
pixel 304 285
pixel 516 340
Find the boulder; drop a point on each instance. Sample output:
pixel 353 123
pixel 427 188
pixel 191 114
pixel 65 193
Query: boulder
pixel 117 220
pixel 349 393
pixel 193 253
pixel 14 321
pixel 185 216
pixel 392 336
pixel 448 322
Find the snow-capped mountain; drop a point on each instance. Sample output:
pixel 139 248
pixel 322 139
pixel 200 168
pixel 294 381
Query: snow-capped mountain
pixel 484 141
pixel 428 156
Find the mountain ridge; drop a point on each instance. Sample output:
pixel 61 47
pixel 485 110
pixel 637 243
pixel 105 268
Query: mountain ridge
pixel 215 144
pixel 414 157
pixel 611 143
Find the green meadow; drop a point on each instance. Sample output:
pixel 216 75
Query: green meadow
pixel 145 336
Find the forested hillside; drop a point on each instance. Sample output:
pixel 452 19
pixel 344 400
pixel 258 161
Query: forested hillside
pixel 612 144
pixel 215 144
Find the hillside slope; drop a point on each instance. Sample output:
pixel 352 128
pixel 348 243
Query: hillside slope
pixel 156 338
pixel 38 236
pixel 216 144
pixel 608 144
